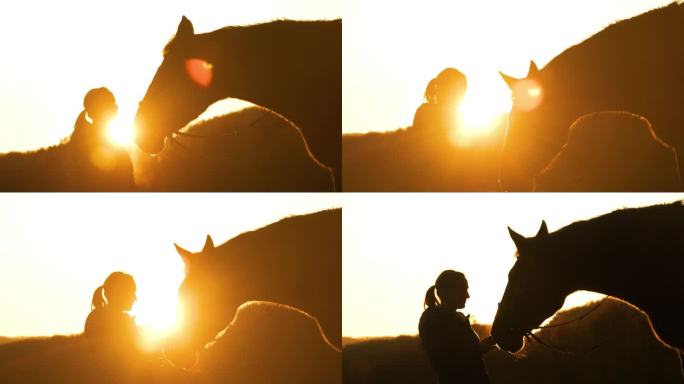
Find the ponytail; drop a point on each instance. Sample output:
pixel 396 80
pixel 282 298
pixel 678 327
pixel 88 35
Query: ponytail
pixel 98 298
pixel 431 298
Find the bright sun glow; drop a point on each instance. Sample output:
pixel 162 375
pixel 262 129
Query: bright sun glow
pixel 120 131
pixel 157 311
pixel 156 322
pixel 481 108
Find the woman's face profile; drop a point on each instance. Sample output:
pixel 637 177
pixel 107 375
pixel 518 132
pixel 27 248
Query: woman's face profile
pixel 456 296
pixel 122 299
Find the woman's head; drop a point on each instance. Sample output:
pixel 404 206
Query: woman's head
pixel 117 292
pixel 452 289
pixel 450 86
pixel 100 105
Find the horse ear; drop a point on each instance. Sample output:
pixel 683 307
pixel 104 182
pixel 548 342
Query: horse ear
pixel 510 80
pixel 185 28
pixel 533 69
pixel 186 255
pixel 208 245
pixel 543 230
pixel 518 239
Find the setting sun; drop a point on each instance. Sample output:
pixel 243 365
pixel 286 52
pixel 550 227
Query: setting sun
pixel 157 312
pixel 121 131
pixel 485 102
pixel 157 309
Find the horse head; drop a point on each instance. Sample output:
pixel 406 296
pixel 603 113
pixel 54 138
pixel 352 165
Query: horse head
pixel 204 304
pixel 535 290
pixel 182 88
pixel 532 137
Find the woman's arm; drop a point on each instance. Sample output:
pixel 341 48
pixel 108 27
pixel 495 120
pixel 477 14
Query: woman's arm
pixel 487 344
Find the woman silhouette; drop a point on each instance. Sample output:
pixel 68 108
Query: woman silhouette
pixel 99 109
pixel 107 167
pixel 108 320
pixel 442 96
pixel 452 346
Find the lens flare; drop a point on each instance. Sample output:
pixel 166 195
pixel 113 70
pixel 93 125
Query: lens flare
pixel 200 71
pixel 480 111
pixel 528 94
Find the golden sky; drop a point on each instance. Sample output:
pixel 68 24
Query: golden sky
pixel 56 249
pixel 53 52
pixel 395 245
pixel 393 48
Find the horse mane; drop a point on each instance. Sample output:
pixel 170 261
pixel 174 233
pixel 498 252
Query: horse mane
pixel 276 226
pixel 255 27
pixel 654 21
pixel 620 217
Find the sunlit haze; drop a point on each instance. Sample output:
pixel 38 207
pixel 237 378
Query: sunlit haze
pixel 395 245
pixel 54 52
pixel 393 48
pixel 56 249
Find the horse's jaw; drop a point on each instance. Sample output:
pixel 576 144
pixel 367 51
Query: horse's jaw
pixel 148 135
pixel 510 341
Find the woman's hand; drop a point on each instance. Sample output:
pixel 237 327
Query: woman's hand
pixel 487 344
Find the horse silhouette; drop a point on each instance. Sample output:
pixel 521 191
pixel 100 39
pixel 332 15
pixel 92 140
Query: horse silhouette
pixel 271 343
pixel 251 150
pixel 611 151
pixel 631 254
pixel 633 65
pixel 295 261
pixel 290 67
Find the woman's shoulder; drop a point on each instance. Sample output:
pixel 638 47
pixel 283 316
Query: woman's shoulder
pixel 437 315
pixel 104 315
pixel 433 317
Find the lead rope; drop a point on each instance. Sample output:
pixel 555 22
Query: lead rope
pixel 194 136
pixel 174 137
pixel 529 336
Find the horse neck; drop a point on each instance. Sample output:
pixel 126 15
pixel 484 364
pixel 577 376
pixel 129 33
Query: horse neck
pixel 287 283
pixel 285 67
pixel 603 73
pixel 612 264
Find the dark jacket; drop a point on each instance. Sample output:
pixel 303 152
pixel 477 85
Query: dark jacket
pixel 452 347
